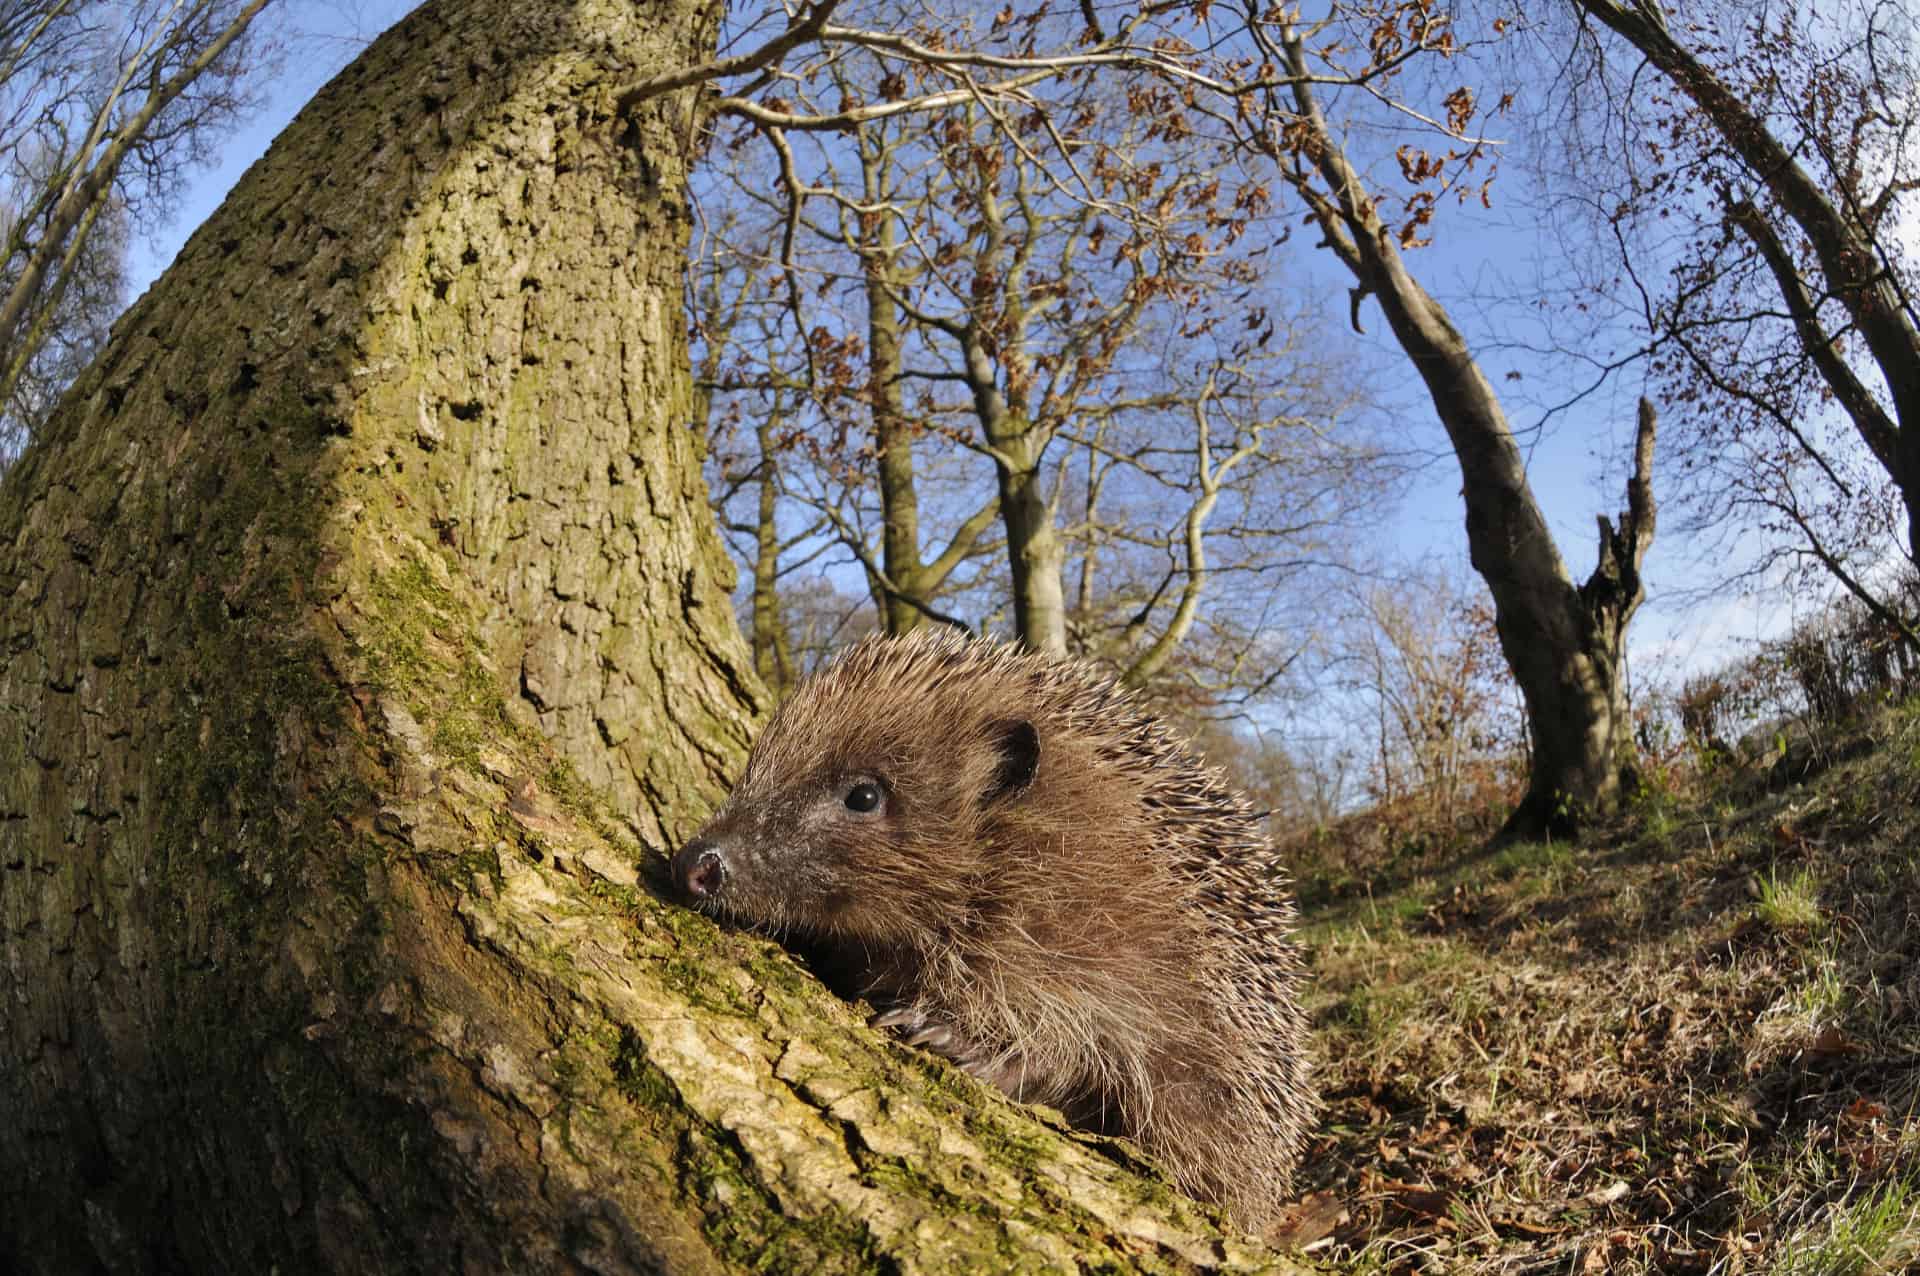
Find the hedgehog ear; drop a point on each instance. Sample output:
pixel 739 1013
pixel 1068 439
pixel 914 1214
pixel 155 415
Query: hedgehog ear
pixel 1017 748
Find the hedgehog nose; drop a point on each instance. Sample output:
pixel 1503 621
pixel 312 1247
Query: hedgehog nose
pixel 698 869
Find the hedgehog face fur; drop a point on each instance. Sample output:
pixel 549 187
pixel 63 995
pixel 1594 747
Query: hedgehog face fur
pixel 1025 872
pixel 845 831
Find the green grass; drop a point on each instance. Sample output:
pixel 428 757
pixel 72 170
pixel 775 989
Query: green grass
pixel 1788 902
pixel 1877 1232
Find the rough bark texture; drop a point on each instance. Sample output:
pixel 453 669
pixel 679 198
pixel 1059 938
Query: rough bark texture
pixel 363 627
pixel 1564 643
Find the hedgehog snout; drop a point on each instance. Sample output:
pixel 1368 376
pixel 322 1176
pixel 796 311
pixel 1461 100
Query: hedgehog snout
pixel 700 868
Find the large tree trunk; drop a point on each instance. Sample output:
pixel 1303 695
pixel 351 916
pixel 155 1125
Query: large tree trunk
pixel 364 625
pixel 1564 643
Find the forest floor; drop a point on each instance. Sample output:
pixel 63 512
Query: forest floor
pixel 1688 1043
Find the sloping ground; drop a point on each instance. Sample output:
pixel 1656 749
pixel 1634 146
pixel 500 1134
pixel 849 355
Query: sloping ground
pixel 1689 1044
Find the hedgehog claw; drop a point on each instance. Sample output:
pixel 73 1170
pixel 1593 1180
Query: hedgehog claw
pixel 917 1028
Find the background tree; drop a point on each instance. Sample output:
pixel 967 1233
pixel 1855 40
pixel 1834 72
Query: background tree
pixel 1752 168
pixel 1048 288
pixel 101 108
pixel 850 435
pixel 72 328
pixel 721 304
pixel 1214 540
pixel 1424 657
pixel 1564 642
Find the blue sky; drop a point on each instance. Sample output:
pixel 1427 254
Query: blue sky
pixel 1576 457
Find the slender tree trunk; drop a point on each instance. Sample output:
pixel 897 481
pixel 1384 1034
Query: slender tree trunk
pixel 363 626
pixel 772 650
pixel 893 446
pixel 23 349
pixel 1089 557
pixel 1160 651
pixel 906 596
pixel 1035 552
pixel 1565 644
pixel 1211 475
pixel 1036 556
pixel 892 433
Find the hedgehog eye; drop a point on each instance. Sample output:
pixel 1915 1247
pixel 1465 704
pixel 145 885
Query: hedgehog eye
pixel 863 798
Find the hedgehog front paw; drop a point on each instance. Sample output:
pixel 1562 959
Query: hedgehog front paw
pixel 917 1027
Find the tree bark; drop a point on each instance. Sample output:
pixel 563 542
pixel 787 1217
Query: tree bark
pixel 1035 553
pixel 364 626
pixel 1565 644
pixel 1211 476
pixel 892 432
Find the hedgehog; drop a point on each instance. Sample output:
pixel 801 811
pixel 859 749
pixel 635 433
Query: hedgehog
pixel 1023 870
